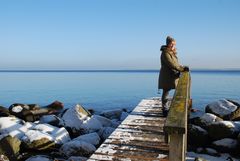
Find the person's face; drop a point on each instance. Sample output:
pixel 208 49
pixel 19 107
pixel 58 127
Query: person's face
pixel 172 45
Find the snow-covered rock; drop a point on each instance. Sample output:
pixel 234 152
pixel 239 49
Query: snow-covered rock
pixel 197 136
pixel 92 138
pixel 77 158
pixel 38 140
pixel 222 129
pixel 39 158
pixel 224 109
pixel 105 132
pixel 112 114
pixel 59 135
pixel 77 148
pixel 13 126
pixel 225 145
pixel 206 119
pixel 78 120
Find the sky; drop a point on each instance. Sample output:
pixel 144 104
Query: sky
pixel 117 34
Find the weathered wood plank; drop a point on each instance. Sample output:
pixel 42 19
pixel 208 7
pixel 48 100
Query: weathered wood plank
pixel 139 137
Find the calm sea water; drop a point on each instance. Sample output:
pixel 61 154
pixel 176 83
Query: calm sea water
pixel 108 90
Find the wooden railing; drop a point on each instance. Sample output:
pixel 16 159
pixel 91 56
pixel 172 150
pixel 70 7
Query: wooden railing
pixel 176 122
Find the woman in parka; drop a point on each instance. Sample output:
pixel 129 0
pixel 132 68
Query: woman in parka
pixel 170 70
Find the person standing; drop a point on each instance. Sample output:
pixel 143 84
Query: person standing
pixel 170 71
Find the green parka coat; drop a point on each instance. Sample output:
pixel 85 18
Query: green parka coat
pixel 170 69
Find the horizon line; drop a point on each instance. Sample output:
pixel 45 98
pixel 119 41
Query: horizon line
pixel 113 70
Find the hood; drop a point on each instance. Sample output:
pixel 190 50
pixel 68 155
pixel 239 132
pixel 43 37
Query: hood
pixel 164 47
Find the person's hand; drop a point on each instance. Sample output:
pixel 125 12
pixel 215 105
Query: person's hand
pixel 186 69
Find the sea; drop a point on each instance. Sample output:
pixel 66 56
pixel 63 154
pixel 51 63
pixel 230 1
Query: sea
pixel 109 89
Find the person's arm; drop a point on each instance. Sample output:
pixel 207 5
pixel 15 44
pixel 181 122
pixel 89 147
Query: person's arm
pixel 171 64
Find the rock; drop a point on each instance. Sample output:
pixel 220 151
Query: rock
pixel 56 105
pixel 59 135
pixel 39 158
pixel 38 140
pixel 197 136
pixel 206 119
pixel 77 119
pixel 10 146
pixel 3 158
pixel 123 116
pixel 4 112
pixel 103 120
pixel 21 111
pixel 199 159
pixel 92 138
pixel 222 129
pixel 50 119
pixel 208 151
pixel 105 132
pixel 77 148
pixel 112 114
pixel 77 158
pixel 225 109
pixel 225 145
pixel 13 126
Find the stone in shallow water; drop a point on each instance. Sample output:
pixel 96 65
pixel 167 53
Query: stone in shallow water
pixel 112 114
pixel 224 108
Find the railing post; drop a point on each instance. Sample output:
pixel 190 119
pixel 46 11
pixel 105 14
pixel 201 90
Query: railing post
pixel 176 122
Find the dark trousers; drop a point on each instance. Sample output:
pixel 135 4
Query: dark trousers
pixel 165 97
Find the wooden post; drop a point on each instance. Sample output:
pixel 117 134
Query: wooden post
pixel 176 122
pixel 177 147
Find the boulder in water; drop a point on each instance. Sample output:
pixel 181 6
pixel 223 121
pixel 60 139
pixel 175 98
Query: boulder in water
pixel 225 109
pixel 105 132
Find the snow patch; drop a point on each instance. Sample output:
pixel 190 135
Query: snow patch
pixel 17 109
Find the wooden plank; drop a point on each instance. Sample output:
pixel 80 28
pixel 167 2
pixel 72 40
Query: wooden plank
pixel 139 137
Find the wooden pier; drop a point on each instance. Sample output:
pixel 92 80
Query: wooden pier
pixel 145 135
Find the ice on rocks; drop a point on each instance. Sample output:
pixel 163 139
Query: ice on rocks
pixel 77 148
pixel 92 138
pixel 32 135
pixel 13 126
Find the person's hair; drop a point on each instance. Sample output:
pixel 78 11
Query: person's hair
pixel 169 40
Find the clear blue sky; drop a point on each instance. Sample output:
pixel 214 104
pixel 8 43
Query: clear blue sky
pixel 117 34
